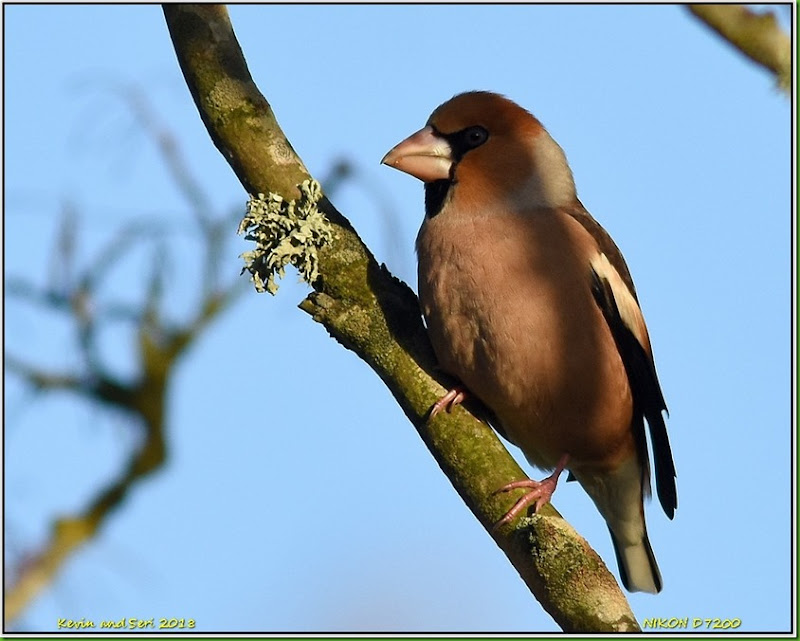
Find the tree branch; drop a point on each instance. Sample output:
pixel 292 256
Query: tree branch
pixel 40 379
pixel 375 315
pixel 68 534
pixel 758 36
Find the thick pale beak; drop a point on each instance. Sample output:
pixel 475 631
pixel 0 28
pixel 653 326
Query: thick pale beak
pixel 424 155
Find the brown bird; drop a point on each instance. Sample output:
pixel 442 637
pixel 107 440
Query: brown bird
pixel 529 303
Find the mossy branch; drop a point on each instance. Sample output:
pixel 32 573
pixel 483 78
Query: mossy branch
pixel 756 35
pixel 377 316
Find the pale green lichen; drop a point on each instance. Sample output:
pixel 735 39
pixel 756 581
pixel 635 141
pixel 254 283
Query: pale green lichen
pixel 286 232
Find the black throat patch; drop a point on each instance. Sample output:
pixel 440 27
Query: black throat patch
pixel 435 194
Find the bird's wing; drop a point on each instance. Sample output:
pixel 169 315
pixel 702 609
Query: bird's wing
pixel 605 243
pixel 613 291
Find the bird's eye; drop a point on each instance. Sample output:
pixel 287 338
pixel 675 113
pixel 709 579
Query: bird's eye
pixel 464 140
pixel 475 136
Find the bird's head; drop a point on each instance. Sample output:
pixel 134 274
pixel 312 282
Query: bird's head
pixel 491 150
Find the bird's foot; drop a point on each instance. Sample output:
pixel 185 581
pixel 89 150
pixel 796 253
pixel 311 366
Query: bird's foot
pixel 454 397
pixel 539 494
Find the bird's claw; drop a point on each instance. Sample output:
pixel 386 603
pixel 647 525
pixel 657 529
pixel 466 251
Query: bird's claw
pixel 540 493
pixel 454 397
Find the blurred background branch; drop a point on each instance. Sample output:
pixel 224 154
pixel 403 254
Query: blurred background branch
pixel 757 35
pixel 159 343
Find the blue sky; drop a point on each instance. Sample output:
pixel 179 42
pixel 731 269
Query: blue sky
pixel 310 504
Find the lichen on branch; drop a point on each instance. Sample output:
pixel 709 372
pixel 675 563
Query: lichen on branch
pixel 286 232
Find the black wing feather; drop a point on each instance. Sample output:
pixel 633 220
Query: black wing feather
pixel 648 400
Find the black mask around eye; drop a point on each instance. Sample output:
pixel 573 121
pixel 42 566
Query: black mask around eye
pixel 465 140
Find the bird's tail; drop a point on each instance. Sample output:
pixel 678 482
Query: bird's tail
pixel 618 495
pixel 637 565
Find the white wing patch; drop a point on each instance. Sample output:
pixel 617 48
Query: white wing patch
pixel 629 310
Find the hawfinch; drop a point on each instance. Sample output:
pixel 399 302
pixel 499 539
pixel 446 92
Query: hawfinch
pixel 530 305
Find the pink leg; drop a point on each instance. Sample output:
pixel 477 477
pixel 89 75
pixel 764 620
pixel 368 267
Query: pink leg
pixel 454 397
pixel 540 492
